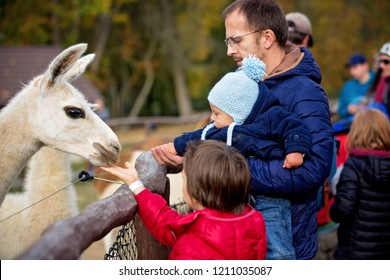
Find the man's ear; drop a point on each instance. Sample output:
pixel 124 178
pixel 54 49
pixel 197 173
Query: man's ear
pixel 305 41
pixel 269 38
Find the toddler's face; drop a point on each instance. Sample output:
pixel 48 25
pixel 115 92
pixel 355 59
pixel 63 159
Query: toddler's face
pixel 219 117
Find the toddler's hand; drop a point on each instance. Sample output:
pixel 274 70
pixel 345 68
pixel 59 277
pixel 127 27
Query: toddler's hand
pixel 293 160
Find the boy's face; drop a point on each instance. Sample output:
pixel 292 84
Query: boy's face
pixel 359 71
pixel 219 117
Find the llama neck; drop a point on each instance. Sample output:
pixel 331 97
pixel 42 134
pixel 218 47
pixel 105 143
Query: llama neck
pixel 17 144
pixel 50 171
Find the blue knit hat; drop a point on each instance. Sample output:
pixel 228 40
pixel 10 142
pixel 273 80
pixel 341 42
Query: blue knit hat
pixel 236 93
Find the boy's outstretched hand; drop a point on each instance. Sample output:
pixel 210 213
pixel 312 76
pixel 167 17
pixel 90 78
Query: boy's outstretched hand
pixel 127 175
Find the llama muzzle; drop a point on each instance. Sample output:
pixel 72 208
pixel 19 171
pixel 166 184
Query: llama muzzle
pixel 108 156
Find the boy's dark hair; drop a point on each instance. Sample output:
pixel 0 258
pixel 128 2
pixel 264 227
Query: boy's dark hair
pixel 262 14
pixel 218 175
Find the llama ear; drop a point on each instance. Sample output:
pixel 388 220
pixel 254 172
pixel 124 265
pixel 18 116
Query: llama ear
pixel 63 62
pixel 79 67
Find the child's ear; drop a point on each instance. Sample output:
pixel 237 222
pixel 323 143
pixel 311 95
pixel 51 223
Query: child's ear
pixel 196 205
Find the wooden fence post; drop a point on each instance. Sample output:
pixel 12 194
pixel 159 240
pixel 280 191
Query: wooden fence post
pixel 148 248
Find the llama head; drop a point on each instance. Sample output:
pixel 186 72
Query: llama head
pixel 63 119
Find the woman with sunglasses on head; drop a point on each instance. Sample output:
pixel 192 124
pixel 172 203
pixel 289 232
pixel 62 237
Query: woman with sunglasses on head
pixel 379 93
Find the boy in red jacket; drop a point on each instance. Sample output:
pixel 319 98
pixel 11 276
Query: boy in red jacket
pixel 216 182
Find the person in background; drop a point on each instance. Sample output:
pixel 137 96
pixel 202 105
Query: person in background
pixel 353 94
pixel 362 202
pixel 259 27
pixel 300 31
pixel 101 110
pixel 381 86
pixel 216 184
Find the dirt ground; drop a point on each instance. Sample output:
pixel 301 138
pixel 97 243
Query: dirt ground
pixel 133 138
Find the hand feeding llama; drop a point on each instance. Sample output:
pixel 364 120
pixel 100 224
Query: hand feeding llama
pixel 105 189
pixel 49 111
pixel 48 176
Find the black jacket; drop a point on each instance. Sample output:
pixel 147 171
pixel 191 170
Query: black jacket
pixel 362 207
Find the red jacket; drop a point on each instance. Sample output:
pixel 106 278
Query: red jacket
pixel 205 234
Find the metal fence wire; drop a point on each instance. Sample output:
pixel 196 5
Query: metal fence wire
pixel 125 245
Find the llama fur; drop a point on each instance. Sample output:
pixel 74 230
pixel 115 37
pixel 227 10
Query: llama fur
pixel 49 111
pixel 48 171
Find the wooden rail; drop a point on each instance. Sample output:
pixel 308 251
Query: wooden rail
pixel 67 239
pixel 116 122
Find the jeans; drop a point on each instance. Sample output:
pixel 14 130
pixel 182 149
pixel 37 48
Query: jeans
pixel 277 217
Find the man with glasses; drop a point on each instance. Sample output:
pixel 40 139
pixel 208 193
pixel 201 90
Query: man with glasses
pixel 259 27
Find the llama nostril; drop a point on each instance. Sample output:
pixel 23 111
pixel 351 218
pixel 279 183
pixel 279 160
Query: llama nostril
pixel 117 148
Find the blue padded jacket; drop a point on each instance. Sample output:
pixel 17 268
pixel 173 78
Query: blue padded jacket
pixel 296 83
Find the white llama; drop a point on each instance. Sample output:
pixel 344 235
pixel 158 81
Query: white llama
pixel 49 111
pixel 49 176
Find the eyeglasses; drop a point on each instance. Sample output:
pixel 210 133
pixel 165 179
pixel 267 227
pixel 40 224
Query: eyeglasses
pixel 231 41
pixel 384 61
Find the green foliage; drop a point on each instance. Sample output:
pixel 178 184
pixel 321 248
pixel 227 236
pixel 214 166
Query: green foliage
pixel 139 41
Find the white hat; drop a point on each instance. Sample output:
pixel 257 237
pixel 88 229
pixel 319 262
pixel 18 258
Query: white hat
pixel 385 49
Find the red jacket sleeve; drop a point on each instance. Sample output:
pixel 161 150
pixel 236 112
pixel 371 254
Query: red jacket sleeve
pixel 157 216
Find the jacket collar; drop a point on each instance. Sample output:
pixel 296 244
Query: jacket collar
pixel 369 152
pixel 292 58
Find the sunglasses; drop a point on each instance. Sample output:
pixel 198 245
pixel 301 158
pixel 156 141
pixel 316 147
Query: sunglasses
pixel 384 61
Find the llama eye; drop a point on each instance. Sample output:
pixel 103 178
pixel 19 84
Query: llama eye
pixel 75 113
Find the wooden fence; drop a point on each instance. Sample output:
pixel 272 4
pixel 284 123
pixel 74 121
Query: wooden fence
pixel 128 121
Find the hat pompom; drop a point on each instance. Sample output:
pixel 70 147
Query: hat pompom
pixel 253 67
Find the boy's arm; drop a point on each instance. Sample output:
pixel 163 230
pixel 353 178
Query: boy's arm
pixel 157 216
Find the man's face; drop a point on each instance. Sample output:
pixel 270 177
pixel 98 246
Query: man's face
pixel 235 24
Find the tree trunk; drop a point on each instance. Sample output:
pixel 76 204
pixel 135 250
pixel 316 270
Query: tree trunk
pixel 174 52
